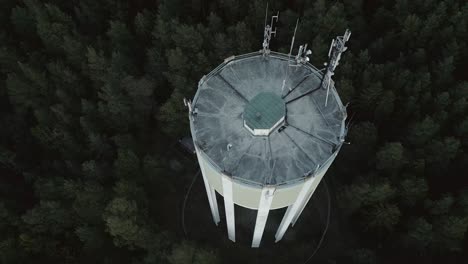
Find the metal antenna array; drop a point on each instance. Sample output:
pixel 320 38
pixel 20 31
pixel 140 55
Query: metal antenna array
pixel 302 54
pixel 192 111
pixel 334 53
pixel 188 104
pixel 268 32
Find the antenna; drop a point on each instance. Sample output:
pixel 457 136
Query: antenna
pixel 293 38
pixel 188 104
pixel 268 32
pixel 289 57
pixel 331 46
pixel 302 54
pixel 274 18
pixel 334 53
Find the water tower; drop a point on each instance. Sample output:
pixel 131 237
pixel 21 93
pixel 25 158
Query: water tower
pixel 266 127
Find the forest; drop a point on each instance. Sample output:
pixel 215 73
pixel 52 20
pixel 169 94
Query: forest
pixel 91 113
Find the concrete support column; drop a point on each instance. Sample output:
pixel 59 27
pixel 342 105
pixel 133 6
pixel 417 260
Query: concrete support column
pixel 313 187
pixel 229 207
pixel 306 201
pixel 262 214
pixel 215 206
pixel 294 208
pixel 210 192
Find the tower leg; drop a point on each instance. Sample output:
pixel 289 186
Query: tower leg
pixel 262 215
pixel 313 187
pixel 229 208
pixel 306 201
pixel 294 209
pixel 215 210
pixel 210 192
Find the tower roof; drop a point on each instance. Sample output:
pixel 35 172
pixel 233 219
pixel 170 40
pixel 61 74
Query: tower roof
pixel 246 93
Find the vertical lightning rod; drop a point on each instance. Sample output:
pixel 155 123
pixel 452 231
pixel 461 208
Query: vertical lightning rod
pixel 289 57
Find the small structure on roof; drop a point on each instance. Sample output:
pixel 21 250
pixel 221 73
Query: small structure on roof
pixel 265 112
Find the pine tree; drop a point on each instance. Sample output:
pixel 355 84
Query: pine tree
pixel 52 25
pixel 442 152
pixel 127 164
pixel 121 40
pixel 421 132
pixel 92 237
pixel 420 234
pixel 412 190
pixel 24 22
pixel 370 95
pixel 382 217
pixel 391 157
pixel 441 206
pixel 120 217
pixel 450 232
pixel 363 139
pixel 48 218
pixel 187 253
pixel 362 256
pixel 143 24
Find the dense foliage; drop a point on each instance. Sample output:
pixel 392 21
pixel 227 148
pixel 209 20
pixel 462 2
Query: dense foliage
pixel 91 107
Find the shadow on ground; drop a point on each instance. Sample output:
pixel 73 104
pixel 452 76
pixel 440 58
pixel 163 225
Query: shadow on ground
pixel 297 245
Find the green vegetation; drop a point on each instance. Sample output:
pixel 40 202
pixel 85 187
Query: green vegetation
pixel 91 107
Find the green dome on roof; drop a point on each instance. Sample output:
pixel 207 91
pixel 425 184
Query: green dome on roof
pixel 264 112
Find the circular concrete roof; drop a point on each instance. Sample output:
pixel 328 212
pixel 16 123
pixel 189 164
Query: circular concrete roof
pixel 250 86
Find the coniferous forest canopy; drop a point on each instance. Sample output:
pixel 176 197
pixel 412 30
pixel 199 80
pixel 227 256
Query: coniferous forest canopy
pixel 91 113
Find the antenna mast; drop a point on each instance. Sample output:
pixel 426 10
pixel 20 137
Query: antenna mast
pixel 334 53
pixel 293 38
pixel 268 32
pixel 289 57
pixel 192 111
